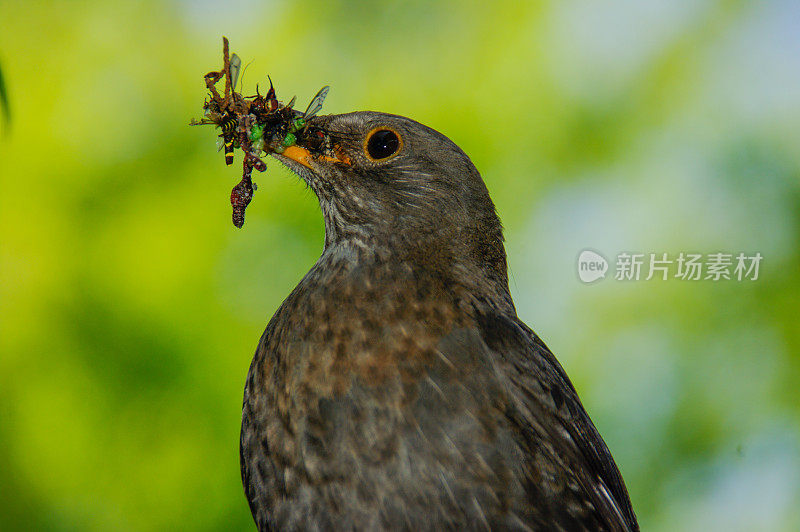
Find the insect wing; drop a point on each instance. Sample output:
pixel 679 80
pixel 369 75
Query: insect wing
pixel 316 104
pixel 236 66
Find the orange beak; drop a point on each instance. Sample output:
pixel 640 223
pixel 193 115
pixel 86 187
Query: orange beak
pixel 303 156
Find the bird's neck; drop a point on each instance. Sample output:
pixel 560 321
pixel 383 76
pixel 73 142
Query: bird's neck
pixel 474 263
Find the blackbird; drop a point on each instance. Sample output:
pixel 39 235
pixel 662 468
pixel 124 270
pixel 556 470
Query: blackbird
pixel 396 388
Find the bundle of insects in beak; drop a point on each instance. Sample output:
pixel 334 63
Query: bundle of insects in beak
pixel 257 124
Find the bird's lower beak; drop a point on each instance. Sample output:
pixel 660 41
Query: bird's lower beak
pixel 303 156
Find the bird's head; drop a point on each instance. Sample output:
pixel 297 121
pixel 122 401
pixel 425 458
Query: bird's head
pixel 386 180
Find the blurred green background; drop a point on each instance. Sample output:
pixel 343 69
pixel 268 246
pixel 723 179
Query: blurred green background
pixel 130 307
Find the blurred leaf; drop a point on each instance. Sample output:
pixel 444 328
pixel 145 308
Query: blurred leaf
pixel 5 109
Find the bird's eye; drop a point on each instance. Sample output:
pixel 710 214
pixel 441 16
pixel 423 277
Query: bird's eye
pixel 382 143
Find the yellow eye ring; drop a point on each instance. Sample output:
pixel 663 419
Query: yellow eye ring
pixel 382 143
